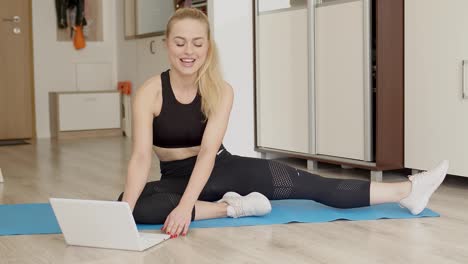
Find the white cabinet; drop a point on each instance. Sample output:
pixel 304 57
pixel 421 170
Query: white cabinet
pixel 436 114
pixel 85 111
pixel 329 81
pixel 313 78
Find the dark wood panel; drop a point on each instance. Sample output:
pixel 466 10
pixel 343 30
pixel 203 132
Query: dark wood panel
pixel 390 83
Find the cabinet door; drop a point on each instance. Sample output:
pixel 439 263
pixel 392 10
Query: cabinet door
pixel 151 57
pixel 436 114
pixel 282 80
pixel 342 79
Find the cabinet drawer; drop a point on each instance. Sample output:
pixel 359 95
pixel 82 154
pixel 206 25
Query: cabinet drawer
pixel 87 111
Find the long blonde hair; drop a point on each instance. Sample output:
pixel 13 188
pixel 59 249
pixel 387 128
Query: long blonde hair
pixel 209 79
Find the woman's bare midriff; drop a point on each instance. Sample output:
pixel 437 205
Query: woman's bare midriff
pixel 170 154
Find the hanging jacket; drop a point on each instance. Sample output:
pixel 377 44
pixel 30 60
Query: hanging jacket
pixel 61 6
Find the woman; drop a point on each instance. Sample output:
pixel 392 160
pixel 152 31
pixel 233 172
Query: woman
pixel 184 113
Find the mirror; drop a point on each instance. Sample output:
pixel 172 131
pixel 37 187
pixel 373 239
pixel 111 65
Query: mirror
pixel 152 16
pixel 147 18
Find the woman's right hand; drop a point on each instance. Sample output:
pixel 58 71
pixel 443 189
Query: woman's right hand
pixel 178 221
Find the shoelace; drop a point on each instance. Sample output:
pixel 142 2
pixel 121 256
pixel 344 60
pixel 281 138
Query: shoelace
pixel 238 208
pixel 414 179
pixel 239 211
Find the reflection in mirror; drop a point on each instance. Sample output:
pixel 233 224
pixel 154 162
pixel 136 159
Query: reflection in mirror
pixel 199 4
pixel 146 18
pixel 152 16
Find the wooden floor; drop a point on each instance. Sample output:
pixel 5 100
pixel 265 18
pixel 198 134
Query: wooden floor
pixel 96 168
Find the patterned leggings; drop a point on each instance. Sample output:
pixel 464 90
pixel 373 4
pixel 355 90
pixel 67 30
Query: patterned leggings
pixel 243 175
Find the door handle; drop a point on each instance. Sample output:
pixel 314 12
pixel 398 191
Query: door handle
pixel 152 48
pixel 464 79
pixel 15 19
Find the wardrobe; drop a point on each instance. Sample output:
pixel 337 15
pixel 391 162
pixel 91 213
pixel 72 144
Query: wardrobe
pixel 329 81
pixel 436 92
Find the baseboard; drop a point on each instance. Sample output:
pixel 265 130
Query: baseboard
pixel 90 133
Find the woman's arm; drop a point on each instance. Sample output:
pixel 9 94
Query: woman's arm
pixel 212 139
pixel 178 220
pixel 140 161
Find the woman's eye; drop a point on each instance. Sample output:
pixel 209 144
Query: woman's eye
pixel 179 44
pixel 198 45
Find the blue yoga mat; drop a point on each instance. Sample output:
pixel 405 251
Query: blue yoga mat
pixel 27 219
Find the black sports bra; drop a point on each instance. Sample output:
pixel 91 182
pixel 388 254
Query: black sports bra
pixel 178 125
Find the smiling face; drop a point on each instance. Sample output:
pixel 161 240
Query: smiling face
pixel 187 45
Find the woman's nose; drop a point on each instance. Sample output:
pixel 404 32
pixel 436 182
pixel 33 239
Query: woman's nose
pixel 188 49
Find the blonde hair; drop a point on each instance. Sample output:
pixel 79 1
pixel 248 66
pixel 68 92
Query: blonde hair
pixel 209 79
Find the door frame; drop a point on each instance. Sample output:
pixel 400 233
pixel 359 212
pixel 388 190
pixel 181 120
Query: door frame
pixel 31 65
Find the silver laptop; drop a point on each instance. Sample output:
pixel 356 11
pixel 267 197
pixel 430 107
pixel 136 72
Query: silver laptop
pixel 103 224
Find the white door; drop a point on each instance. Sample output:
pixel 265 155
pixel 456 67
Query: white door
pixel 436 114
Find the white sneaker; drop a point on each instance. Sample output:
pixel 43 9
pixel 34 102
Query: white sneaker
pixel 230 195
pixel 423 186
pixel 253 204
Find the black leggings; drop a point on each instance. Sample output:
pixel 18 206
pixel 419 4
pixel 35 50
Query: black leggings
pixel 243 175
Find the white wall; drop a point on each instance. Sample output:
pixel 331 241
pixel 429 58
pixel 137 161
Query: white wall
pixel 126 60
pixel 232 27
pixel 55 63
pixel 126 49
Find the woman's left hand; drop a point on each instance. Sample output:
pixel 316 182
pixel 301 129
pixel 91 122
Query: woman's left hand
pixel 178 221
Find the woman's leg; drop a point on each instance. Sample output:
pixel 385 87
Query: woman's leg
pixel 209 210
pixel 413 194
pixel 279 181
pixel 159 198
pixel 381 192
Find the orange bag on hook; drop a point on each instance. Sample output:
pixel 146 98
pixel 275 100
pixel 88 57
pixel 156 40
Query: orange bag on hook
pixel 79 39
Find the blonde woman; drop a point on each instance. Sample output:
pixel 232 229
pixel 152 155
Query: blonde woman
pixel 182 116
